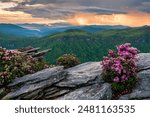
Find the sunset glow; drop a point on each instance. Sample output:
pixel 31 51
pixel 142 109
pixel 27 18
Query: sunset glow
pixel 133 18
pixel 100 12
pixel 21 17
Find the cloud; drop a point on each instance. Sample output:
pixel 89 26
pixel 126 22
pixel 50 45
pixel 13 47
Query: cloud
pixel 7 5
pixel 109 4
pixel 56 9
pixel 35 6
pixel 146 3
pixel 60 11
pixel 16 1
pixel 129 19
pixel 76 12
pixel 99 10
pixel 21 17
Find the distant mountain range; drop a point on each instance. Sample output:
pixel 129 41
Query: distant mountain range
pixel 38 30
pixel 86 42
pixel 86 45
pixel 15 30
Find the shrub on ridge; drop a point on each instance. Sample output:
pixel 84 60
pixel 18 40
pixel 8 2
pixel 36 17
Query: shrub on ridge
pixel 14 64
pixel 120 68
pixel 68 60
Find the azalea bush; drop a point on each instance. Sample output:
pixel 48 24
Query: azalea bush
pixel 68 60
pixel 14 64
pixel 120 69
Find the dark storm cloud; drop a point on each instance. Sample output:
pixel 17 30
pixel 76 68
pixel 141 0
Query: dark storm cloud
pixel 101 10
pixel 64 8
pixel 61 9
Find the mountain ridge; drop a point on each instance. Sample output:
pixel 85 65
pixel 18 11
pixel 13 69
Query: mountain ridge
pixel 40 30
pixel 15 30
pixel 87 46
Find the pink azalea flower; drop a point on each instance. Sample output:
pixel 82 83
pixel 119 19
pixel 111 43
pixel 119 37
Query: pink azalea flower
pixel 116 79
pixel 121 63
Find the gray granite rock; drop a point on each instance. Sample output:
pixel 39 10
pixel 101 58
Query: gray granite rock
pixel 124 97
pixel 46 74
pixel 32 96
pixel 50 91
pixel 56 94
pixel 144 61
pixel 143 81
pixel 84 74
pixel 142 89
pixel 82 82
pixel 93 92
pixel 56 82
pixel 139 95
pixel 136 95
pixel 31 83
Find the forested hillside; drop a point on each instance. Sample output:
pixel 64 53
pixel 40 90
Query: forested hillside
pixel 87 46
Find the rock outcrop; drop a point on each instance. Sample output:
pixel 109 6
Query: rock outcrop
pixel 82 82
pixel 142 89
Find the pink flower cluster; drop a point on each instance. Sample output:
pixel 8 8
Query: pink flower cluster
pixel 3 74
pixel 126 51
pixel 9 55
pixel 15 64
pixel 121 64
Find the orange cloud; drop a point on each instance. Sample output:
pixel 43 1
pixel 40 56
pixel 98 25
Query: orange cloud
pixel 21 17
pixel 20 1
pixel 7 5
pixel 134 18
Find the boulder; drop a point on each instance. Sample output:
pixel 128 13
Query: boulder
pixel 35 83
pixel 144 61
pixel 142 89
pixel 82 75
pixel 86 82
pixel 92 92
pixel 82 82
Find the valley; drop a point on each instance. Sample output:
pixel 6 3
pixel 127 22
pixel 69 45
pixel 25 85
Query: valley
pixel 87 45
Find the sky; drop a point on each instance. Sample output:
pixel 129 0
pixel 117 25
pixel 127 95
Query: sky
pixel 76 12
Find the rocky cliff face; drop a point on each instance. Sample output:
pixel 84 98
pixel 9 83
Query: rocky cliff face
pixel 82 82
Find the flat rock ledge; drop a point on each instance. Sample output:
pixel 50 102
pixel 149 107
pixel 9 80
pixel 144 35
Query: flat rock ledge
pixel 82 82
